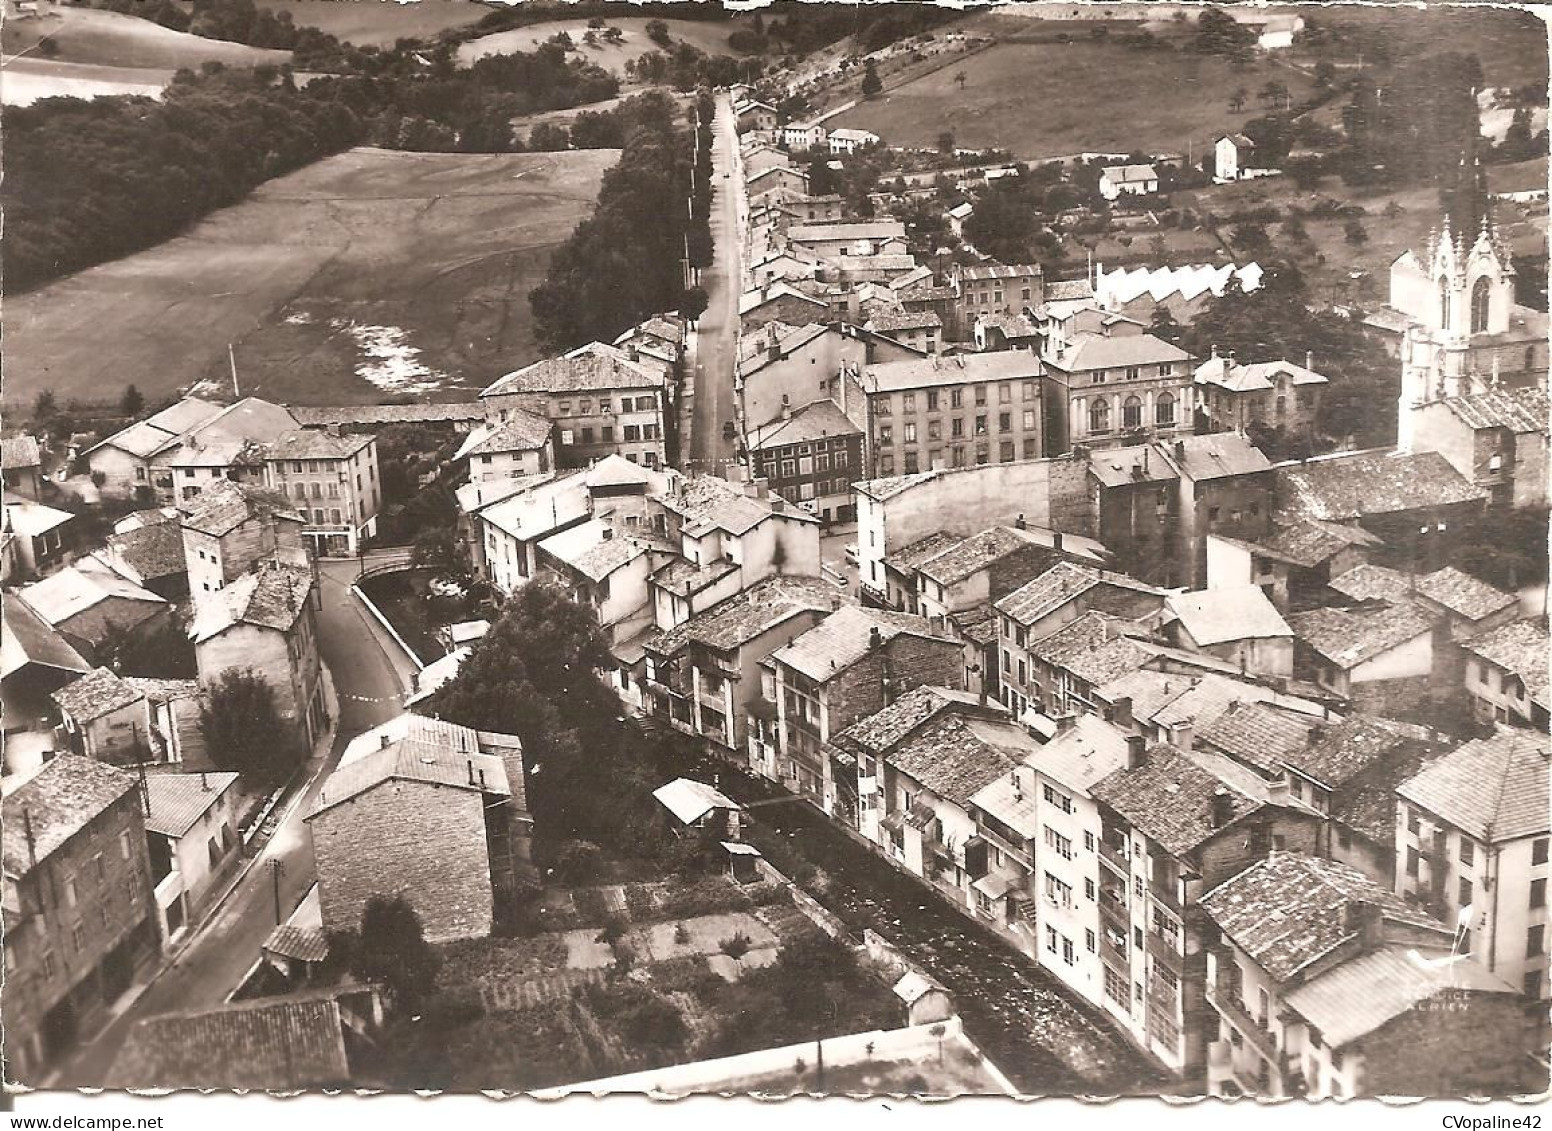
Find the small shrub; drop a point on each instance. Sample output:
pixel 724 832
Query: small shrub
pixel 737 946
pixel 591 905
pixel 681 934
pixel 613 931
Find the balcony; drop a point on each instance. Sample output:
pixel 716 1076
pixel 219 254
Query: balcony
pixel 1112 906
pixel 1166 949
pixel 1227 1005
pixel 1115 952
pixel 1116 856
pixel 1166 894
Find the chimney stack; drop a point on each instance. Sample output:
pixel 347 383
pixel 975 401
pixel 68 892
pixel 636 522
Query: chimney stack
pixel 1056 539
pixel 1122 711
pixel 1019 523
pixel 875 638
pixel 1136 750
pixel 1065 723
pixel 1222 807
pixel 471 772
pixel 1365 920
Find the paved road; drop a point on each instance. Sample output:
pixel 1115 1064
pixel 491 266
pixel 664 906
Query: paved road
pixel 369 684
pixel 716 334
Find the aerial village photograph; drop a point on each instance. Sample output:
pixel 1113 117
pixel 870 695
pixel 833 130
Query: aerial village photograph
pixel 795 549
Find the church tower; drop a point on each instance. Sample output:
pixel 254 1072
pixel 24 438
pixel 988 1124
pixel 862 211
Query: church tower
pixel 1456 295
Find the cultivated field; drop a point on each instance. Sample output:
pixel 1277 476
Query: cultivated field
pixel 368 274
pixel 1019 97
pixel 23 81
pixel 710 37
pixel 86 35
pixel 379 22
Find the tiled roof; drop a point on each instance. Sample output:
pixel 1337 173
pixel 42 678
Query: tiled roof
pixel 709 503
pixel 272 596
pixel 960 369
pixel 73 590
pixel 458 412
pixel 755 351
pixel 164 690
pixel 592 367
pixel 1495 789
pixel 977 624
pixel 19 451
pixel 910 558
pixel 886 320
pixel 1116 467
pixel 263 1045
pixel 1068 290
pixel 1348 637
pixel 163 429
pixel 520 432
pixel 596 550
pixel 884 728
pixel 1370 582
pixel 1361 995
pixel 224 506
pixel 980 551
pixel 1290 910
pixel 845 636
pixel 817 420
pixel 887 488
pixel 734 622
pixel 56 803
pixel 315 443
pixel 1259 735
pixel 683 577
pixel 150 552
pixel 1100 351
pixel 1519 410
pixel 1367 803
pixel 1168 797
pixel 94 695
pixel 956 757
pixel 1308 542
pixel 1463 594
pixel 1206 700
pixel 177 801
pixel 1125 173
pixel 1216 456
pixel 413 748
pixel 1339 488
pixel 859 230
pixel 1216 616
pixel 29 639
pixel 304 944
pixel 1259 377
pixel 1520 648
pixel 1011 325
pixel 1339 751
pixel 1052 589
pixel 1089 750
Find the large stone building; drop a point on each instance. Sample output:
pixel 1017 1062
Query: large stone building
pixel 1122 386
pixel 231 528
pixel 810 455
pixel 79 921
pixel 331 478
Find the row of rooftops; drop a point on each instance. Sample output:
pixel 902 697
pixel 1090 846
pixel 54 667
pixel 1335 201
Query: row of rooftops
pixel 198 433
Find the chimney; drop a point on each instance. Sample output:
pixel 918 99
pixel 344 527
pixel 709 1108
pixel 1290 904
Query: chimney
pixel 1065 723
pixel 1180 449
pixel 1122 710
pixel 482 779
pixel 1018 786
pixel 1136 750
pixel 786 408
pixel 1018 523
pixel 835 602
pixel 1056 539
pixel 1222 811
pixel 1309 360
pixel 204 781
pixel 32 840
pixel 608 534
pixel 383 741
pixel 875 638
pixel 1364 920
pixel 471 772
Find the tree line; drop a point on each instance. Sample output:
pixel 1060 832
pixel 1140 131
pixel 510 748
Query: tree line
pixel 625 261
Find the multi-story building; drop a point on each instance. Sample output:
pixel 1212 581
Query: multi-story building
pixel 1367 997
pixel 782 366
pixel 848 141
pixel 1495 437
pixel 231 528
pixel 522 444
pixel 79 922
pixel 1379 657
pixel 600 400
pixel 1271 395
pixel 21 466
pixel 193 844
pixel 921 330
pixel 848 666
pixel 851 238
pixel 983 289
pixel 430 811
pixel 810 456
pixel 1505 674
pixel 605 567
pixel 1472 836
pixel 332 479
pixel 265 620
pixel 1123 386
pixel 1172 830
pixel 951 412
pixel 703 676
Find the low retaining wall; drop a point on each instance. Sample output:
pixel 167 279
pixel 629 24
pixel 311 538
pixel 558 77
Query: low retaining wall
pixel 393 633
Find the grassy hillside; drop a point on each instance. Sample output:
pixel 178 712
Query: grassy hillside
pixel 379 22
pixel 23 81
pixel 709 37
pixel 1048 99
pixel 109 39
pixel 367 274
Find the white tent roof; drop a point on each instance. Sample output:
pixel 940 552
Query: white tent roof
pixel 689 800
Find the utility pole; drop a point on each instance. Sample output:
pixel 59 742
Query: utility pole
pixel 231 358
pixel 275 869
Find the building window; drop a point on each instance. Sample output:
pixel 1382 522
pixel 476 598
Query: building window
pixel 1414 825
pixel 908 402
pixel 1464 893
pixel 956 398
pixel 1099 416
pixel 910 433
pixel 1050 938
pixel 1004 393
pixel 1538 893
pixel 980 425
pixel 1533 984
pixel 1468 851
pixel 980 396
pixel 1481 302
pixel 1533 940
pixel 1131 413
pixel 1411 862
pixel 1067 954
pixel 1164 410
pixel 1115 986
pixel 1538 851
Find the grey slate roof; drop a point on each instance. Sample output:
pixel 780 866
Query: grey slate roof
pixel 1169 799
pixel 264 1045
pixel 57 802
pixel 179 800
pixel 1348 637
pixel 1258 734
pixel 1494 789
pixel 844 637
pixel 94 695
pixel 1520 648
pixel 1340 488
pixel 272 596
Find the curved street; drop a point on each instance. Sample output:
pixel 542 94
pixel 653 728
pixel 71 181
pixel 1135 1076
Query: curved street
pixel 370 678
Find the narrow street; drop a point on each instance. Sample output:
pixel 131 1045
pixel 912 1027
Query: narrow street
pixel 1046 1041
pixel 370 685
pixel 716 353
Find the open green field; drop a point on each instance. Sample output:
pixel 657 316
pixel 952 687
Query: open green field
pixel 1511 45
pixel 1051 99
pixel 23 81
pixel 368 274
pixel 109 39
pixel 380 22
pixel 710 37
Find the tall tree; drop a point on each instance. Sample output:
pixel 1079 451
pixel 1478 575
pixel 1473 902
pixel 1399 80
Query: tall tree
pixel 132 402
pixel 391 949
pixel 872 85
pixel 243 729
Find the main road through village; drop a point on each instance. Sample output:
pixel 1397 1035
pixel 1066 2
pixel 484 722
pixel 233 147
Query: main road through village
pixel 370 680
pixel 716 336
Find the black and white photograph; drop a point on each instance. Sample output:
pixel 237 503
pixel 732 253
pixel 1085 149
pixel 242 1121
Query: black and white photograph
pixel 792 549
